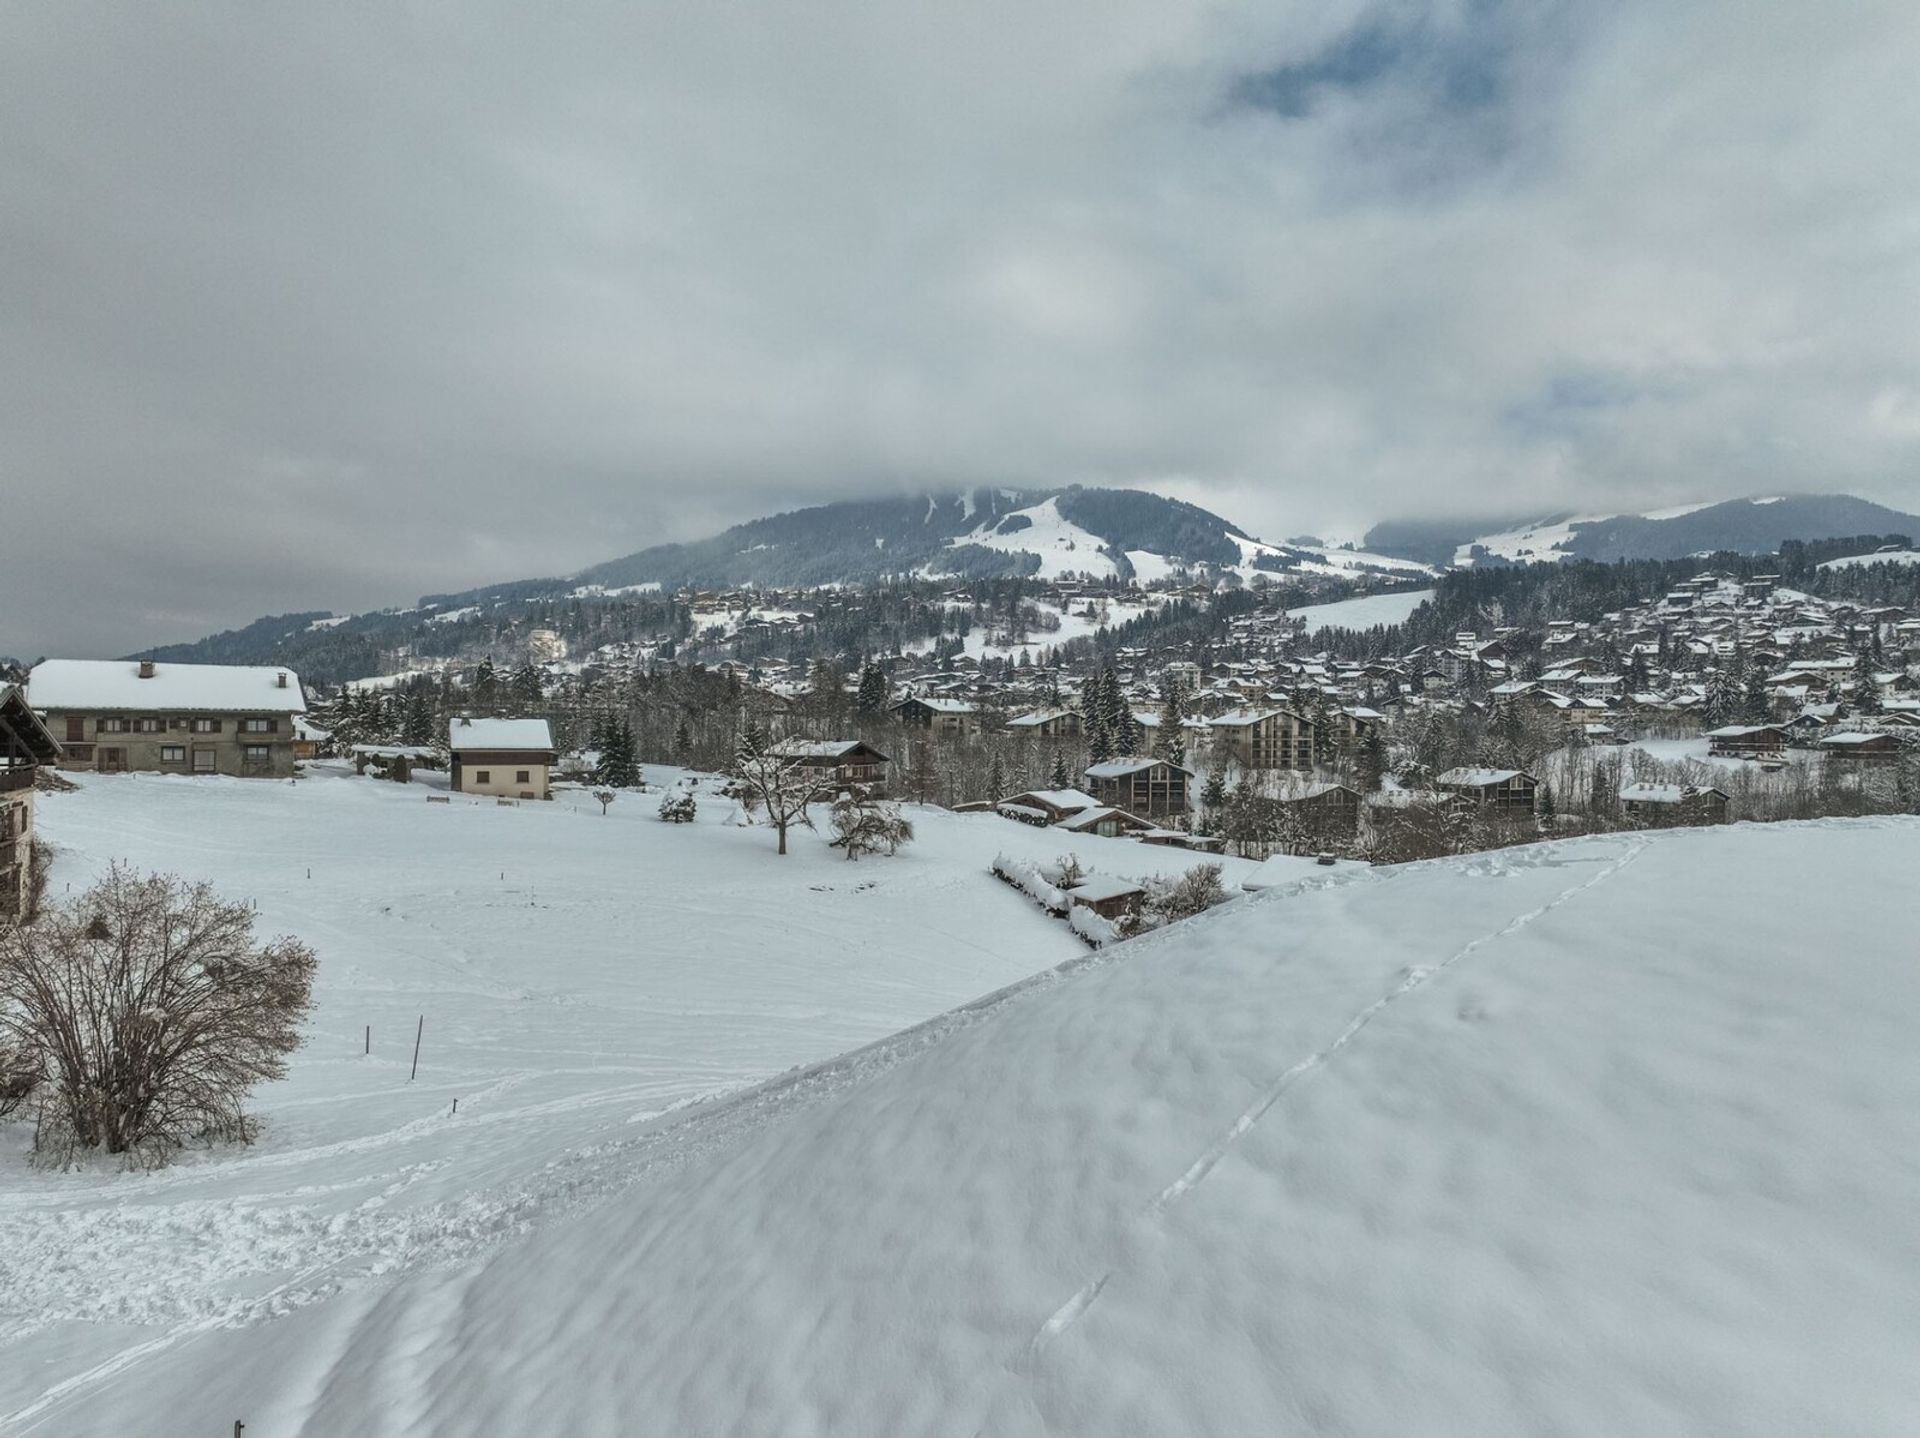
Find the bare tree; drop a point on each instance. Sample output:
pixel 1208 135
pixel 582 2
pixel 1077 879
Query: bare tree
pixel 606 797
pixel 777 786
pixel 145 1010
pixel 863 824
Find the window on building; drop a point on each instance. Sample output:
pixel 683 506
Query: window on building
pixel 203 760
pixel 173 753
pixel 256 756
pixel 256 726
pixel 148 726
pixel 110 726
pixel 206 726
pixel 523 776
pixel 483 776
pixel 76 728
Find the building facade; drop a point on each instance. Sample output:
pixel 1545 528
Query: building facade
pixel 1266 738
pixel 127 716
pixel 25 744
pixel 507 758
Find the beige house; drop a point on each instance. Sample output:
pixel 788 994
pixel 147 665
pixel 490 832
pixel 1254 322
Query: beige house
pixel 116 716
pixel 507 758
pixel 25 744
pixel 1266 738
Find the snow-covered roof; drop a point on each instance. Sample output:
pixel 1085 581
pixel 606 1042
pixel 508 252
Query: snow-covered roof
pixel 1479 778
pixel 1098 888
pixel 813 748
pixel 1093 818
pixel 1120 768
pixel 1852 738
pixel 1665 793
pixel 468 734
pixel 1061 798
pixel 1239 717
pixel 939 706
pixel 115 684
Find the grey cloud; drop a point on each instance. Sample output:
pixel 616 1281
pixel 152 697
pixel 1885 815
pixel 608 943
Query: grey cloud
pixel 324 307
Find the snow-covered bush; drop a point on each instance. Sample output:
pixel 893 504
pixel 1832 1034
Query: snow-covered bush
pixel 1091 926
pixel 677 808
pixel 146 1010
pixel 1031 881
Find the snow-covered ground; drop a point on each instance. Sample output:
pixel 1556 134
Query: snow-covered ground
pixel 1364 612
pixel 1894 556
pixel 1078 619
pixel 1064 547
pixel 579 975
pixel 1612 1136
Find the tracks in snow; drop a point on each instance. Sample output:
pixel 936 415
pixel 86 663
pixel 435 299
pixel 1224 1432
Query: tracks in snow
pixel 1196 1173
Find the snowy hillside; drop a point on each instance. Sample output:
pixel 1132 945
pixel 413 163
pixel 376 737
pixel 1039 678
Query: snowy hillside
pixel 1362 613
pixel 1746 526
pixel 579 976
pixel 1613 1136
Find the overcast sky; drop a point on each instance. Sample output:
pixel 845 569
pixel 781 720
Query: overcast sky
pixel 323 306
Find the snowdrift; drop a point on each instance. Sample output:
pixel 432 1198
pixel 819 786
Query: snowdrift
pixel 1612 1136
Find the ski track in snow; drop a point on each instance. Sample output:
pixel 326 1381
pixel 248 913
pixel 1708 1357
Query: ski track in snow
pixel 1075 1308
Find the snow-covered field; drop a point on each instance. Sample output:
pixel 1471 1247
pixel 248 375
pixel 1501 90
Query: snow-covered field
pixel 1610 1136
pixel 1892 556
pixel 579 977
pixel 1364 612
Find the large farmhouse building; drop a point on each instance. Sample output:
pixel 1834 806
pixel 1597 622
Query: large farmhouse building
pixel 507 758
pixel 117 716
pixel 25 744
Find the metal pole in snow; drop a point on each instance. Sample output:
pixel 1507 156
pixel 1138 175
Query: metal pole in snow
pixel 369 1048
pixel 419 1029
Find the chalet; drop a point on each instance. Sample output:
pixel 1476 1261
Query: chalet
pixel 942 716
pixel 116 716
pixel 1747 741
pixel 837 764
pixel 1053 723
pixel 507 758
pixel 25 744
pixel 1861 748
pixel 1501 791
pixel 1109 898
pixel 1322 809
pixel 1654 804
pixel 1266 738
pixel 1047 806
pixel 307 738
pixel 1108 823
pixel 1142 786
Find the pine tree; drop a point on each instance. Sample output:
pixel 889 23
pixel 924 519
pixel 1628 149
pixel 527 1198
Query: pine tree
pixel 1170 743
pixel 870 701
pixel 1371 768
pixel 528 687
pixel 486 687
pixel 682 739
pixel 1060 778
pixel 1866 694
pixel 1096 717
pixel 996 779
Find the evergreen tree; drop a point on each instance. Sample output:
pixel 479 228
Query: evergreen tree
pixel 528 687
pixel 1866 694
pixel 486 687
pixel 1213 793
pixel 870 702
pixel 682 739
pixel 996 779
pixel 1371 766
pixel 619 766
pixel 1060 778
pixel 1170 743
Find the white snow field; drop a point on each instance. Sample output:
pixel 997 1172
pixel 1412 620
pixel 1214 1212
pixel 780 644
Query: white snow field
pixel 621 969
pixel 1363 612
pixel 1604 1137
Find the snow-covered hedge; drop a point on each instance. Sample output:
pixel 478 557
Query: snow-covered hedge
pixel 1029 879
pixel 1091 926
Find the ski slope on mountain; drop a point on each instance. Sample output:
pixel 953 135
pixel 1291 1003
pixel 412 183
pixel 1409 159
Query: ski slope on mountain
pixel 1363 612
pixel 579 976
pixel 1609 1136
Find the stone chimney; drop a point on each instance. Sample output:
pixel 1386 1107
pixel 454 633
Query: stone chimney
pixel 146 669
pixel 280 679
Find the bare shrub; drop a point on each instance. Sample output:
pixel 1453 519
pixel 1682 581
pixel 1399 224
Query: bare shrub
pixel 865 825
pixel 145 1010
